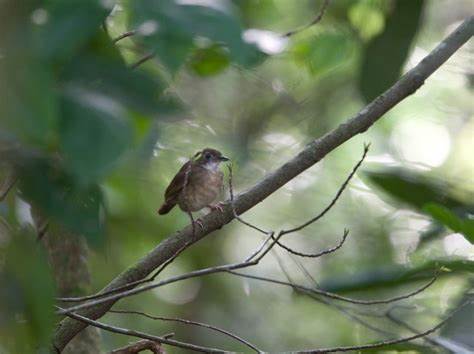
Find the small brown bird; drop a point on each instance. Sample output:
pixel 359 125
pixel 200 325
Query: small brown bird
pixel 197 184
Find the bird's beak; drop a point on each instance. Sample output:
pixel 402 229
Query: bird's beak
pixel 223 158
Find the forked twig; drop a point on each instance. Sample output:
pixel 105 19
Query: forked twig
pixel 333 295
pixel 319 254
pixel 165 339
pixel 236 216
pixel 336 197
pixel 193 323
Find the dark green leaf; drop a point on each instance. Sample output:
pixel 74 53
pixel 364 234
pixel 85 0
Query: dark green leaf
pixel 412 188
pixel 395 275
pixel 28 107
pixel 26 296
pixel 451 220
pixel 68 25
pixel 95 131
pixel 59 198
pixel 386 54
pixel 171 29
pixel 209 61
pixel 100 68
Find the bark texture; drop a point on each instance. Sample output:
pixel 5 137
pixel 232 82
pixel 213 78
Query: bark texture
pixel 67 255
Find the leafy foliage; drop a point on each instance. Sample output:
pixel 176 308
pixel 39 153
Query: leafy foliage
pixel 209 61
pixel 27 293
pixel 324 51
pixel 385 55
pixel 395 275
pixel 80 126
pixel 173 29
pixel 426 195
pixel 451 220
pixel 78 208
pixel 412 188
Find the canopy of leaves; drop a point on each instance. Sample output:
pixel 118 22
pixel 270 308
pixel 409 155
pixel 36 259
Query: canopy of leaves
pixel 94 139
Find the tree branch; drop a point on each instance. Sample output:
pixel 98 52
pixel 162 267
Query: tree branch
pixel 193 323
pixel 130 332
pixel 140 346
pixel 250 261
pixel 334 296
pixel 124 35
pixel 338 194
pixel 318 254
pixel 309 156
pixel 7 184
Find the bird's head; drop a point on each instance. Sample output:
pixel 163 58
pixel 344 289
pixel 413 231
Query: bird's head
pixel 210 158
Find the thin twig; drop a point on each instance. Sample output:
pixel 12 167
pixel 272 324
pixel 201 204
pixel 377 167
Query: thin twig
pixel 124 35
pixel 140 346
pixel 447 345
pixel 401 323
pixel 315 255
pixel 318 18
pixel 236 216
pixel 129 332
pixel 193 274
pixel 183 193
pixel 334 200
pixel 386 342
pixel 128 285
pixel 335 296
pixel 194 323
pixel 42 229
pixel 261 247
pixel 322 300
pixel 142 60
pixel 7 184
pixel 229 268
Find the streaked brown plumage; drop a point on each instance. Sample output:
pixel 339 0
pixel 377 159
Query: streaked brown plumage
pixel 197 184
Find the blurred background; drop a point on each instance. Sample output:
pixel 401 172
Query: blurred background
pixel 94 144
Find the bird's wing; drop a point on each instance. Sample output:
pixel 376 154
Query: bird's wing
pixel 177 184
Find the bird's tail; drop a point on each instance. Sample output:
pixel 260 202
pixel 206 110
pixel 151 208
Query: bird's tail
pixel 166 207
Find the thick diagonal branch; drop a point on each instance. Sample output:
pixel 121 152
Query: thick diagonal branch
pixel 309 156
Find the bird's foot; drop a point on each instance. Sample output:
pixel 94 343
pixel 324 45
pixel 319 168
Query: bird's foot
pixel 219 206
pixel 199 223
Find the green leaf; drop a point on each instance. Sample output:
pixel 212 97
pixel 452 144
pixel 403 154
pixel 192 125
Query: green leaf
pixel 412 188
pixel 26 296
pixel 171 29
pixel 395 275
pixel 95 131
pixel 209 61
pixel 68 25
pixel 323 52
pixel 29 107
pixel 451 220
pixel 100 68
pixel 61 199
pixel 385 55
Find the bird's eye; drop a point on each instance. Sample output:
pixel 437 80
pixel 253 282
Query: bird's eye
pixel 207 156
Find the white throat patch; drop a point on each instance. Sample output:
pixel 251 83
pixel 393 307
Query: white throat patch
pixel 211 166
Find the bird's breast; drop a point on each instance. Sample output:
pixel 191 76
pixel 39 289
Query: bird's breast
pixel 202 189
